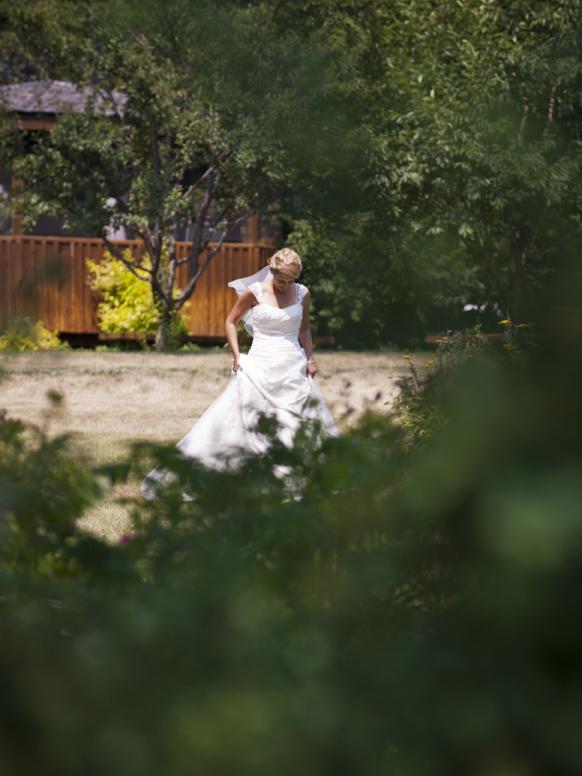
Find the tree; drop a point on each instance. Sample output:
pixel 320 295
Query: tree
pixel 197 113
pixel 471 134
pixel 488 157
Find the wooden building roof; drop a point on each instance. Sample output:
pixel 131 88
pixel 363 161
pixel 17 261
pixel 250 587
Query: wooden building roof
pixel 54 97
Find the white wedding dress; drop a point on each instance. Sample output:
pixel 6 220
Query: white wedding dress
pixel 271 379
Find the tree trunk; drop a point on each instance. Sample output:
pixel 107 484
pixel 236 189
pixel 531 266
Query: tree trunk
pixel 518 264
pixel 165 339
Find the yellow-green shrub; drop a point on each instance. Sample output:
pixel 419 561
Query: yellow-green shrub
pixel 22 333
pixel 127 302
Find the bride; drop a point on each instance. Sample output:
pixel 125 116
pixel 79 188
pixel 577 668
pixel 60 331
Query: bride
pixel 275 378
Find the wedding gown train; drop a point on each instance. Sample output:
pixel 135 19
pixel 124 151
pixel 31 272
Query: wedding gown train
pixel 271 379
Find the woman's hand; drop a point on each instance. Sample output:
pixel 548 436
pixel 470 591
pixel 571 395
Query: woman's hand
pixel 235 363
pixel 312 367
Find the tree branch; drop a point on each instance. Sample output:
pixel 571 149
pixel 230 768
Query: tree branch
pixel 172 263
pixel 187 292
pixel 203 245
pixel 552 104
pixel 131 266
pixel 203 177
pixel 523 122
pixel 195 248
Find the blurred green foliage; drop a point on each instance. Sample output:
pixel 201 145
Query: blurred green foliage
pixel 384 608
pixel 45 485
pixel 419 403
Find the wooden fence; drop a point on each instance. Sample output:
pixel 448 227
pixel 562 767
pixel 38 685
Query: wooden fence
pixel 46 278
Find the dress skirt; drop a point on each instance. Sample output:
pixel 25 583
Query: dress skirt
pixel 271 380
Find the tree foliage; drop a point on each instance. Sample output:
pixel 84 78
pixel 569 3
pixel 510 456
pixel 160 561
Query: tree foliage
pixel 472 163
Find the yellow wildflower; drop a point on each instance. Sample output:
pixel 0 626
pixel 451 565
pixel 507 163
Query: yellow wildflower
pixel 504 322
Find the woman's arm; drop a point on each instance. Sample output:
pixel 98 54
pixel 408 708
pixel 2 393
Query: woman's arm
pixel 245 301
pixel 305 336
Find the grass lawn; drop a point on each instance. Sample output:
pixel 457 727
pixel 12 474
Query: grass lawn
pixel 113 398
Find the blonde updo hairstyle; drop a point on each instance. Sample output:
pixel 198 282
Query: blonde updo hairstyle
pixel 286 261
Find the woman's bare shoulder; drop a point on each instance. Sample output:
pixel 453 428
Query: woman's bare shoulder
pixel 252 293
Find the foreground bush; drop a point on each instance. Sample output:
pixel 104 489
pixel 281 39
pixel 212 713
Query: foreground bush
pixel 382 609
pixel 45 486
